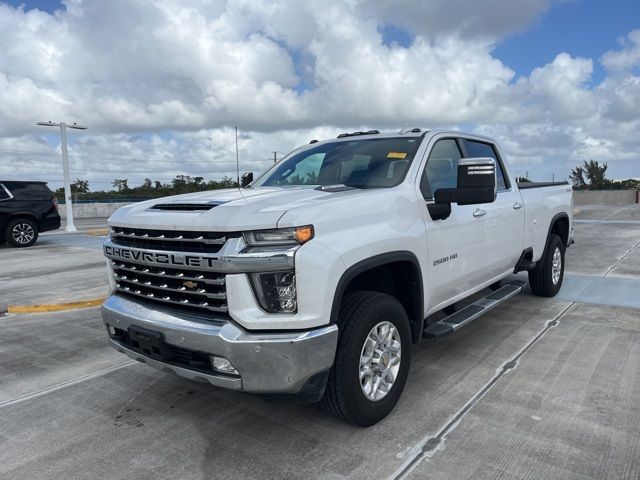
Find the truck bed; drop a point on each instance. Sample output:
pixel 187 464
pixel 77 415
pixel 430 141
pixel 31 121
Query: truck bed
pixel 542 205
pixel 524 185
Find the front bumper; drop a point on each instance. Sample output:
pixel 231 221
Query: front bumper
pixel 267 363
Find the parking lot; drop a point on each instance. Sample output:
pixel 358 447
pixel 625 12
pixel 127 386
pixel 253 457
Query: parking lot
pixel 538 388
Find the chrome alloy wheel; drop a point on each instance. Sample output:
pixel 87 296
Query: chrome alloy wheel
pixel 23 233
pixel 556 266
pixel 380 361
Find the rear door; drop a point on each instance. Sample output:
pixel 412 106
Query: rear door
pixel 457 244
pixel 504 218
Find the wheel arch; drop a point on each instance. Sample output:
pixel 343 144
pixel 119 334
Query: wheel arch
pixel 559 225
pixel 384 273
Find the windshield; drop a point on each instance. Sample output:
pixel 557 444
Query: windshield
pixel 372 163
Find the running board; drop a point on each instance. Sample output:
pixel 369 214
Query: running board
pixel 453 322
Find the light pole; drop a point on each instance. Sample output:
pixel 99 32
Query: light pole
pixel 65 167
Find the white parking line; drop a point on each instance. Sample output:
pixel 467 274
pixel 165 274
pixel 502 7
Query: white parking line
pixel 68 383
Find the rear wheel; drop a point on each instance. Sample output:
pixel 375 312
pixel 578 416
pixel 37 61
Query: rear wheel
pixel 546 278
pixel 372 359
pixel 21 232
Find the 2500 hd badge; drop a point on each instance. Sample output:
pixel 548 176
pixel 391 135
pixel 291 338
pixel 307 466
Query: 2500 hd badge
pixel 453 256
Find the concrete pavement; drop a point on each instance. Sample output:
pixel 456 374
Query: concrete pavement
pixel 538 388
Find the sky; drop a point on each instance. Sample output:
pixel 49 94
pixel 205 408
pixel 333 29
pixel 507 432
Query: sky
pixel 162 83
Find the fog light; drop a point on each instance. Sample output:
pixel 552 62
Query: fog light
pixel 112 331
pixel 222 365
pixel 276 291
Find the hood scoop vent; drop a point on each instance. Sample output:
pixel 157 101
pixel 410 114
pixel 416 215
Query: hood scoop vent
pixel 184 207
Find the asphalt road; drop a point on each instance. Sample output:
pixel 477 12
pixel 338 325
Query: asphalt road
pixel 538 388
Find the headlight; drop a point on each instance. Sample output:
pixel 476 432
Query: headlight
pixel 276 291
pixel 280 236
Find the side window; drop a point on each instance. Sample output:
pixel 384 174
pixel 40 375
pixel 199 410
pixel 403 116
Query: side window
pixel 26 190
pixel 442 167
pixel 4 193
pixel 479 149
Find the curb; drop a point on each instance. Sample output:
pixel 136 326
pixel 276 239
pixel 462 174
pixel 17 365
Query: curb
pixel 96 232
pixel 55 307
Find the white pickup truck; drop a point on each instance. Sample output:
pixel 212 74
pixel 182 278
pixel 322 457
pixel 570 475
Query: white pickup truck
pixel 313 281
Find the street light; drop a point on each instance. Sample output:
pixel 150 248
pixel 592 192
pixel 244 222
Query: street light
pixel 65 167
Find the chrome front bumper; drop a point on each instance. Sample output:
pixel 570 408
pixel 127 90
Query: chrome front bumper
pixel 267 363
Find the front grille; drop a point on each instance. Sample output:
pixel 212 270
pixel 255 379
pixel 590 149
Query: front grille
pixel 199 291
pixel 171 240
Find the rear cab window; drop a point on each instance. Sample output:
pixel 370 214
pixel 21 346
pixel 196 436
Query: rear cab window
pixel 475 148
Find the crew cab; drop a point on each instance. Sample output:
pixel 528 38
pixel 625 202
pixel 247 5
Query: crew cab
pixel 26 209
pixel 313 281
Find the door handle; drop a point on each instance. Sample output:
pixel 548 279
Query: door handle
pixel 478 212
pixel 517 206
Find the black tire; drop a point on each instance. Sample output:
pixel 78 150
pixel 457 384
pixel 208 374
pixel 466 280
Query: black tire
pixel 541 278
pixel 344 397
pixel 21 232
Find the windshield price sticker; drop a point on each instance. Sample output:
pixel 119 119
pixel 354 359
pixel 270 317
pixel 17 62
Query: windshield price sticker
pixel 399 155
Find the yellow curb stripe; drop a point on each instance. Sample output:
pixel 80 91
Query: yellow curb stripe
pixel 55 307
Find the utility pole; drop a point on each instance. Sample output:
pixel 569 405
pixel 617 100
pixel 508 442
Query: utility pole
pixel 275 157
pixel 70 227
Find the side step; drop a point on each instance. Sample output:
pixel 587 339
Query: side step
pixel 453 322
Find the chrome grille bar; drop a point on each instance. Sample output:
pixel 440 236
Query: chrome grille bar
pixel 165 288
pixel 171 300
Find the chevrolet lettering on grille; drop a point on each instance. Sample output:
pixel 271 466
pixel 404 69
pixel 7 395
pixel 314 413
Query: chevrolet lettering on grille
pixel 159 258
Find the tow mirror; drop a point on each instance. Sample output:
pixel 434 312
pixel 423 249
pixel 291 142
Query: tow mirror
pixel 476 183
pixel 246 179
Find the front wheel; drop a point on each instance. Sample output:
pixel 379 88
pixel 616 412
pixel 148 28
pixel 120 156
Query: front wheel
pixel 21 232
pixel 372 359
pixel 546 278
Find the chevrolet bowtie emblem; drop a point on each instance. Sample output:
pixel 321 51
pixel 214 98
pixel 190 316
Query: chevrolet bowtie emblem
pixel 189 284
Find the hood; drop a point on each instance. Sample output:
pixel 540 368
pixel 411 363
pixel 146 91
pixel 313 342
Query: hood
pixel 231 209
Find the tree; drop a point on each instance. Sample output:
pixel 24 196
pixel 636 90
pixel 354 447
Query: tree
pixel 577 178
pixel 121 185
pixel 591 171
pixel 80 187
pixel 596 174
pixel 522 180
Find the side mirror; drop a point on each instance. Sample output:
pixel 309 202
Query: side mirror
pixel 476 183
pixel 246 179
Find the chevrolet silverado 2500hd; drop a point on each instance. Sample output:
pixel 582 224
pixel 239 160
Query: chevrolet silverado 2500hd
pixel 314 280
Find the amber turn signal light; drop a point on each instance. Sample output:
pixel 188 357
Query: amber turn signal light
pixel 304 234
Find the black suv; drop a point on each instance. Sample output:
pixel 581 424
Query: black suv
pixel 26 208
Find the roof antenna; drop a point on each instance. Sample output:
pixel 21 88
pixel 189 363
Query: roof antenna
pixel 237 160
pixel 238 165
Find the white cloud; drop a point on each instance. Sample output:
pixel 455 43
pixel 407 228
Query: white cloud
pixel 626 58
pixel 160 83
